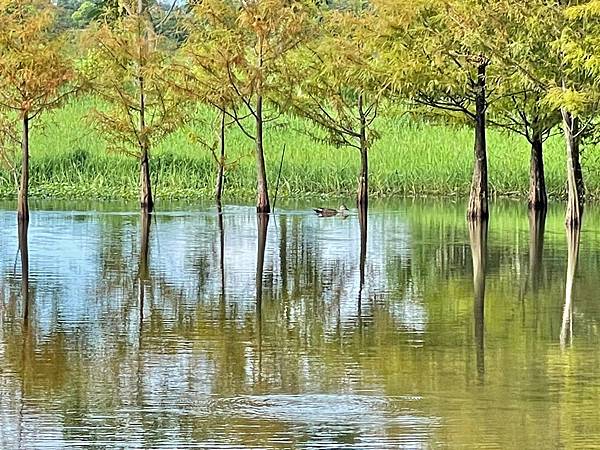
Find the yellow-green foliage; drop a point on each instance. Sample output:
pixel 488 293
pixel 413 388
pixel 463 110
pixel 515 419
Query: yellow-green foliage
pixel 33 69
pixel 127 64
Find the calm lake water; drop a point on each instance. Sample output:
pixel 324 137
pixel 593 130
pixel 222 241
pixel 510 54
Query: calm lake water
pixel 157 335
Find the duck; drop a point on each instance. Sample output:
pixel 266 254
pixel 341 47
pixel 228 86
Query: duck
pixel 330 212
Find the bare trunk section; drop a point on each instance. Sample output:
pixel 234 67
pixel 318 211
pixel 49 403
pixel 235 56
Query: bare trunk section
pixel 221 168
pixel 478 200
pixel 575 184
pixel 262 201
pixel 23 198
pixel 363 180
pixel 262 191
pixel 538 199
pixel 478 231
pixel 146 201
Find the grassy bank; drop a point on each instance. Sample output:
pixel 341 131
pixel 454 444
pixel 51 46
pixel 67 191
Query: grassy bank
pixel 69 161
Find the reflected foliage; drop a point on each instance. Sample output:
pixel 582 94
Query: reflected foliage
pixel 252 335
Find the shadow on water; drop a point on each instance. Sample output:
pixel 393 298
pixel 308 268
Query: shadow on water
pixel 478 234
pixel 537 226
pixel 566 329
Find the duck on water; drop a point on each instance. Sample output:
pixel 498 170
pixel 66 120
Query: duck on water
pixel 330 212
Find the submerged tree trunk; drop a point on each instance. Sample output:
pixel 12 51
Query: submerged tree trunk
pixel 478 200
pixel 575 185
pixel 23 200
pixel 262 201
pixel 221 168
pixel 363 180
pixel 538 199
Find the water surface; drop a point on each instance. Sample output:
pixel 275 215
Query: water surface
pixel 194 330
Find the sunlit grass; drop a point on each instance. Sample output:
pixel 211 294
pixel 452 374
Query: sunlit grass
pixel 69 160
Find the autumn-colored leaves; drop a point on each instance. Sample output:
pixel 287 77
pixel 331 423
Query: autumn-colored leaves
pixel 524 68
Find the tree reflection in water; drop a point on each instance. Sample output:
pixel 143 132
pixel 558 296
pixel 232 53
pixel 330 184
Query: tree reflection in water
pixel 287 355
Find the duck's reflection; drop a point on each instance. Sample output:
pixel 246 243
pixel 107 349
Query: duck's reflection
pixel 566 329
pixel 478 233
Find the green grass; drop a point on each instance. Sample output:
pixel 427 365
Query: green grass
pixel 69 160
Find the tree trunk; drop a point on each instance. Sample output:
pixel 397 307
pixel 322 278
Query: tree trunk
pixel 363 180
pixel 537 188
pixel 262 201
pixel 221 168
pixel 478 200
pixel 575 185
pixel 23 200
pixel 146 201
